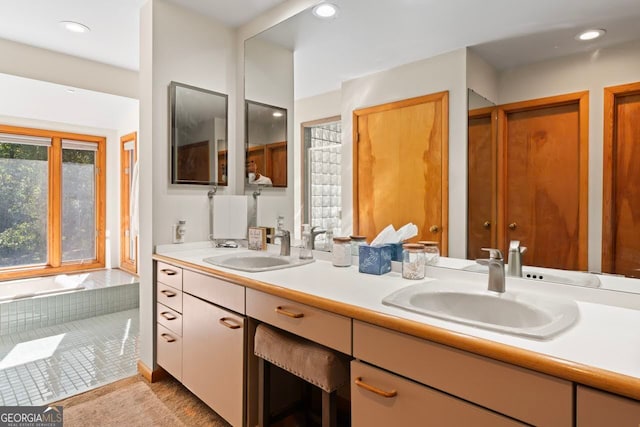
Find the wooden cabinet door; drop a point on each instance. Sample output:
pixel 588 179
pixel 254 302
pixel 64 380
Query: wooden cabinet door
pixel 213 357
pixel 379 398
pixel 481 188
pixel 621 203
pixel 597 409
pixel 400 167
pixel 544 183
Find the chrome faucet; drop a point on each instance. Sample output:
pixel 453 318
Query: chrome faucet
pixel 285 242
pixel 514 266
pixel 496 269
pixel 315 234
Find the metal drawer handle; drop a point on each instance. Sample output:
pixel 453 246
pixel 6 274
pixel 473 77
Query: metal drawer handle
pixel 284 312
pixel 169 272
pixel 169 294
pixel 375 390
pixel 167 337
pixel 225 321
pixel 168 315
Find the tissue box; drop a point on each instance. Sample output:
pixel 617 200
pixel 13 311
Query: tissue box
pixel 375 259
pixel 396 254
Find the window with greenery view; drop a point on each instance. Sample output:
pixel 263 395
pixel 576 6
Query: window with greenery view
pixel 50 191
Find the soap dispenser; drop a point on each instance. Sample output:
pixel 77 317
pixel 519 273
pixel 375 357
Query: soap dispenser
pixel 305 250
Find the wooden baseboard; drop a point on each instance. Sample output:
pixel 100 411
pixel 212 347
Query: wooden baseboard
pixel 149 375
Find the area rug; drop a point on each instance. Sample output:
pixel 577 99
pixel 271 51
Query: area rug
pixel 134 402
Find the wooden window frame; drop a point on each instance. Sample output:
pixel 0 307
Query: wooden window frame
pixel 54 263
pixel 127 263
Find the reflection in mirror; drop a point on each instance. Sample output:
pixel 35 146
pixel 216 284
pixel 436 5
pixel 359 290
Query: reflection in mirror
pixel 198 123
pixel 543 63
pixel 266 144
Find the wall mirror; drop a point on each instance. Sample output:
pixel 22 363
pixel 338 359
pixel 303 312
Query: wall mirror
pixel 266 144
pixel 198 135
pixel 546 62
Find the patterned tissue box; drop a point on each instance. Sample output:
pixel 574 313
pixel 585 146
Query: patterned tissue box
pixel 375 259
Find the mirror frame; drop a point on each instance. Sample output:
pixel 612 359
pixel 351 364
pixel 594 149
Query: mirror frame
pixel 247 102
pixel 173 147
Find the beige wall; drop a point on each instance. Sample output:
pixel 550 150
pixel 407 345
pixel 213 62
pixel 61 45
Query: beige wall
pixel 41 64
pixel 187 47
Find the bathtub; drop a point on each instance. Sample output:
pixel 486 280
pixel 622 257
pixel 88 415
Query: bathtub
pixel 25 288
pixel 39 302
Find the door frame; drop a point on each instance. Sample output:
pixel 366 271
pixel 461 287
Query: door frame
pixel 611 94
pixel 492 113
pixel 126 263
pixel 582 99
pixel 443 97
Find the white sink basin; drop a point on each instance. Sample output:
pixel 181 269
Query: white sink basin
pixel 517 313
pixel 255 261
pixel 549 275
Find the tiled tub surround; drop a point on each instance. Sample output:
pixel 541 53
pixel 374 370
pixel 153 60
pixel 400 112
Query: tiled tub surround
pixel 103 292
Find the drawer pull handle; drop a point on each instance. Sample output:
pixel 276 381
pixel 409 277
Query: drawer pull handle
pixel 284 312
pixel 168 294
pixel 375 390
pixel 168 315
pixel 167 337
pixel 169 272
pixel 225 321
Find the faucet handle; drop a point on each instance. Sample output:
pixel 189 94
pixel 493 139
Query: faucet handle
pixel 494 253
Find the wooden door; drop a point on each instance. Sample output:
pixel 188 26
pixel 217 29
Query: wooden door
pixel 481 186
pixel 401 169
pixel 544 179
pixel 193 162
pixel 276 156
pixel 621 202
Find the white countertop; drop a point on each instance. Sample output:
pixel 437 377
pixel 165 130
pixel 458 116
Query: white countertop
pixel 606 335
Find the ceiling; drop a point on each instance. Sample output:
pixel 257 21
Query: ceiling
pixel 372 36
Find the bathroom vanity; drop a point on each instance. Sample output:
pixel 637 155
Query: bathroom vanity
pixel 406 366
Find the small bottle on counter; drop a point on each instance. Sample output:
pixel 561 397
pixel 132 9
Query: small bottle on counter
pixel 413 261
pixel 432 253
pixel 341 252
pixel 356 242
pixel 305 250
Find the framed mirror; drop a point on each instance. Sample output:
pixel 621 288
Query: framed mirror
pixel 266 144
pixel 198 135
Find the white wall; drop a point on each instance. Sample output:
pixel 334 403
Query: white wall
pixel 482 77
pixel 307 110
pixel 186 47
pixel 593 72
pixel 269 79
pixel 40 64
pixel 440 73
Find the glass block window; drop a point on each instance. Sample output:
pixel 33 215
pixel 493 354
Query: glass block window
pixel 323 152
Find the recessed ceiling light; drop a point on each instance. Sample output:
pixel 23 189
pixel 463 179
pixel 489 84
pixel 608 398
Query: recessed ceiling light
pixel 325 10
pixel 590 34
pixel 69 90
pixel 75 27
pixel 277 114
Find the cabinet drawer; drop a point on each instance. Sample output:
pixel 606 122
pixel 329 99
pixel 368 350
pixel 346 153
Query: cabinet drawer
pixel 169 351
pixel 323 327
pixel 597 408
pixel 520 393
pixel 407 403
pixel 169 296
pixel 214 290
pixel 169 275
pixel 169 318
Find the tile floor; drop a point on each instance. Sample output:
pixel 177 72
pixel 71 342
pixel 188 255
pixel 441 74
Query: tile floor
pixel 48 364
